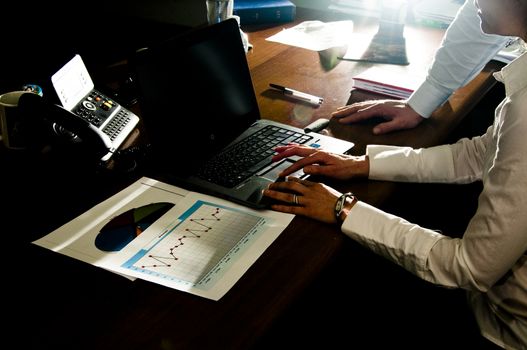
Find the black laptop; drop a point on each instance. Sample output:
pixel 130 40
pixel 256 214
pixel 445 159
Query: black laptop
pixel 201 115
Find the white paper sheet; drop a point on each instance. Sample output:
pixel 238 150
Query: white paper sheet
pixel 201 245
pixel 316 35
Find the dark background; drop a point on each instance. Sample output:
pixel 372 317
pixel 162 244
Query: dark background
pixel 39 37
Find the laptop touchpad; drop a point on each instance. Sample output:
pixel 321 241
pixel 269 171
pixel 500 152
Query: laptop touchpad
pixel 272 172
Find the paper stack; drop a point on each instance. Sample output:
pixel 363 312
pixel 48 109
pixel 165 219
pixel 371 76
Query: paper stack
pixel 397 84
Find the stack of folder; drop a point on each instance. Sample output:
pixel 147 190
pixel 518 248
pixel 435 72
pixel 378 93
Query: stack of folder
pixel 396 84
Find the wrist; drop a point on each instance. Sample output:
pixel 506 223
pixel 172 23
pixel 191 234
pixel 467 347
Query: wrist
pixel 359 166
pixel 365 170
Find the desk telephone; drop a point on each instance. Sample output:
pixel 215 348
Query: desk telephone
pixel 104 116
pixel 47 124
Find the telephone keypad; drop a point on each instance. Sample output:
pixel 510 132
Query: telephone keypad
pixel 117 124
pixel 97 108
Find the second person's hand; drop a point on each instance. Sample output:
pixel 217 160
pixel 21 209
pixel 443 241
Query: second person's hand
pixel 397 113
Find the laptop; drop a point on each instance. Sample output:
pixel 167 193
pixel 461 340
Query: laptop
pixel 77 94
pixel 201 115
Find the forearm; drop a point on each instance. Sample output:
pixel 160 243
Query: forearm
pixel 405 164
pixel 457 163
pixel 398 240
pixel 462 55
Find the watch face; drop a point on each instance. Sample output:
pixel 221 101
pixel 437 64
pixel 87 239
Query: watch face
pixel 339 206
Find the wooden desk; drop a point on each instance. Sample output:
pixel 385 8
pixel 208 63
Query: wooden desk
pixel 57 302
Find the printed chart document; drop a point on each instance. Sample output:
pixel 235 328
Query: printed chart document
pixel 167 235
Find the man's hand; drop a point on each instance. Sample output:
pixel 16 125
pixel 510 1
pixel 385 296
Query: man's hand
pixel 398 114
pixel 320 162
pixel 302 197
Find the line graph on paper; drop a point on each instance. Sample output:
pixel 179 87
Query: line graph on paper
pixel 198 246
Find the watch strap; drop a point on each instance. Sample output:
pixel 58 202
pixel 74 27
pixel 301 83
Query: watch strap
pixel 341 203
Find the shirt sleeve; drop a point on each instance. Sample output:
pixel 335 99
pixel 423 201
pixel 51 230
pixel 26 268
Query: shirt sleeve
pixel 390 236
pixel 461 162
pixel 463 53
pixel 495 236
pixel 430 255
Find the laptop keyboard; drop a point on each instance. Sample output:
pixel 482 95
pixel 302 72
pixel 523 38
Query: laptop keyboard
pixel 243 159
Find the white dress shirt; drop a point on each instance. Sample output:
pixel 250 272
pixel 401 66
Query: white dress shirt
pixel 490 261
pixel 463 53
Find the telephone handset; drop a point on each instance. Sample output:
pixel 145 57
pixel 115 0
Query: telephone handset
pixel 58 125
pixel 81 130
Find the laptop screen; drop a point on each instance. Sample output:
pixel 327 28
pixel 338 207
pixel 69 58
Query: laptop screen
pixel 196 93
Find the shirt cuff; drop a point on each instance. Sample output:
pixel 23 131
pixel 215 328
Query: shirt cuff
pixel 386 161
pixel 427 98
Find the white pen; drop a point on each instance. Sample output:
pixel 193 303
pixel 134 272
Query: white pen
pixel 299 95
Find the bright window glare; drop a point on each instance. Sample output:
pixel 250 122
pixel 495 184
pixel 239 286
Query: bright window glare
pixel 371 4
pixel 437 13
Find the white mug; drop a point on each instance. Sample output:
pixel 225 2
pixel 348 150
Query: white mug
pixel 11 120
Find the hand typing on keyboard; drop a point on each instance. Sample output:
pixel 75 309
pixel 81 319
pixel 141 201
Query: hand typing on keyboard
pixel 318 162
pixel 247 157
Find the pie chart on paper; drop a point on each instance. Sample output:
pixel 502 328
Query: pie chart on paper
pixel 122 229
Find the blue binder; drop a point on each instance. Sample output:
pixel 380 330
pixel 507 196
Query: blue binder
pixel 264 11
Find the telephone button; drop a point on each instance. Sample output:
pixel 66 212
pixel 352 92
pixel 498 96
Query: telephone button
pixel 89 105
